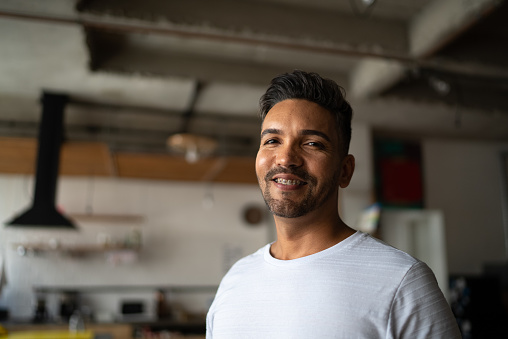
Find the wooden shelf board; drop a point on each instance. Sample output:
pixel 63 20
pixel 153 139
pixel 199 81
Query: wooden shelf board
pixel 75 249
pixel 113 218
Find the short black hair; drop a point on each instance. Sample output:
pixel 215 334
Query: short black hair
pixel 312 87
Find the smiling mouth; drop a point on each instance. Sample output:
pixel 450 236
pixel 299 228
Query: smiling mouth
pixel 289 182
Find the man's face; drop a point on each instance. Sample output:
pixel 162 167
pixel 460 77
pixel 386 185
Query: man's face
pixel 298 164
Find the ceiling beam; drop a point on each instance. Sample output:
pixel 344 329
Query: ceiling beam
pixel 441 22
pixel 221 63
pixel 271 24
pixel 371 76
pixel 262 22
pixel 435 26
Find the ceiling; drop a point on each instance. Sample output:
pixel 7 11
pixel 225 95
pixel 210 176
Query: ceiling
pixel 138 72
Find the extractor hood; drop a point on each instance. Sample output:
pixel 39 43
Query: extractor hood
pixel 43 212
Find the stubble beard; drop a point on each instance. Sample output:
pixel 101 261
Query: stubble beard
pixel 313 198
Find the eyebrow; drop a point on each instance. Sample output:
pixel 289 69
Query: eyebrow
pixel 270 131
pixel 314 132
pixel 302 132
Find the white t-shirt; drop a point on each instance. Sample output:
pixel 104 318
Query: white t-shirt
pixel 359 288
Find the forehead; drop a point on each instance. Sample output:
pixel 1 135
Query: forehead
pixel 300 114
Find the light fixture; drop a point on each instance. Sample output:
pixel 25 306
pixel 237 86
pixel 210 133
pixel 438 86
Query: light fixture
pixel 368 3
pixel 362 8
pixel 442 87
pixel 192 146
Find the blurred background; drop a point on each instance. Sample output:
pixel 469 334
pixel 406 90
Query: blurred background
pixel 129 129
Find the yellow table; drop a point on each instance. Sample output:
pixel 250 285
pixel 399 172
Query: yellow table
pixel 49 335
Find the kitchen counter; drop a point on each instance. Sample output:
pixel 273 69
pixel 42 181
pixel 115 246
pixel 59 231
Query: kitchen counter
pixel 186 327
pixel 122 330
pixel 61 331
pixel 42 334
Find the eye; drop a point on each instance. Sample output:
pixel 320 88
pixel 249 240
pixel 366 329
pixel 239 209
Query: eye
pixel 315 144
pixel 270 141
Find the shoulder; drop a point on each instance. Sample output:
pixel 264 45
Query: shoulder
pixel 252 259
pixel 248 264
pixel 413 273
pixel 374 251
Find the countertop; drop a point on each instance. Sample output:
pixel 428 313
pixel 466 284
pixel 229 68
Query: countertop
pixel 61 331
pixel 114 330
pixel 41 334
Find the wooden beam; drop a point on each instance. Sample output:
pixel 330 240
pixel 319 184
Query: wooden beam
pixel 18 156
pixel 168 167
pixel 239 170
pixel 86 158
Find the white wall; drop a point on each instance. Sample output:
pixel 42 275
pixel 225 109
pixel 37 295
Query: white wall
pixel 463 179
pixel 358 195
pixel 183 243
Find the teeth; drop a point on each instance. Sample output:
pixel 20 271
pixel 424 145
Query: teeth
pixel 287 181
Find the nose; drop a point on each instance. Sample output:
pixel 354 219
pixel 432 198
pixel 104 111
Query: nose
pixel 288 156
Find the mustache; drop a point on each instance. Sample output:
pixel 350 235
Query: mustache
pixel 299 172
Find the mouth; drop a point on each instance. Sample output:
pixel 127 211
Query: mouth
pixel 289 182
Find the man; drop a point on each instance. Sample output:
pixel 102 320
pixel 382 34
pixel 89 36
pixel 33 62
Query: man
pixel 320 278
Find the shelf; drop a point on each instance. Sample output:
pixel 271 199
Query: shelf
pixel 122 219
pixel 74 250
pixel 127 288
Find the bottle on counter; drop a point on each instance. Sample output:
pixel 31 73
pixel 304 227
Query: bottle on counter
pixel 162 308
pixel 76 322
pixel 40 311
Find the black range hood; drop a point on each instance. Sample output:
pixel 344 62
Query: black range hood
pixel 43 212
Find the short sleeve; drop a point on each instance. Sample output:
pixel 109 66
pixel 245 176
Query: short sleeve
pixel 419 309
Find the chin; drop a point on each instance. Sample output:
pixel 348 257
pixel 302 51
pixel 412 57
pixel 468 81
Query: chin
pixel 287 209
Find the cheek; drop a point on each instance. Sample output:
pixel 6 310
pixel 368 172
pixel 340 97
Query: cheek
pixel 261 162
pixel 262 167
pixel 324 168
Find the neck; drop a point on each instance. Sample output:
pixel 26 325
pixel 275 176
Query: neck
pixel 303 236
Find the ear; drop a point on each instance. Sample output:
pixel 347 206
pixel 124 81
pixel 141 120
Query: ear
pixel 346 171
